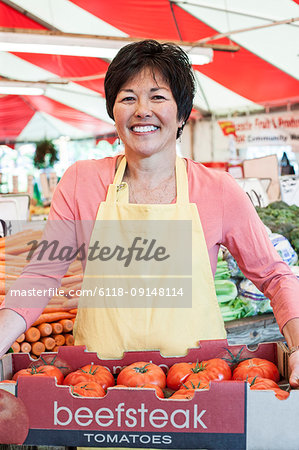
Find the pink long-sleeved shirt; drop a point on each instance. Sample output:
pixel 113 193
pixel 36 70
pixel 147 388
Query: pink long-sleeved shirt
pixel 226 213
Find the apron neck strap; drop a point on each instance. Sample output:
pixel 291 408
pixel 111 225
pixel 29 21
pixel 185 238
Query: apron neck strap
pixel 182 187
pixel 181 181
pixel 120 171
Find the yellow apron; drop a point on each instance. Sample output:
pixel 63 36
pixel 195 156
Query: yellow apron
pixel 111 331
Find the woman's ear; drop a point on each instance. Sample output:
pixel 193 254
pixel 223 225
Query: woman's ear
pixel 180 129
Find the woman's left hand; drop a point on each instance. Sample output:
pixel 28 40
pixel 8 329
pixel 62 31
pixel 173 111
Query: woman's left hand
pixel 294 369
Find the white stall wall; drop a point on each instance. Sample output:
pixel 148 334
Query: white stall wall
pixel 185 147
pixel 206 133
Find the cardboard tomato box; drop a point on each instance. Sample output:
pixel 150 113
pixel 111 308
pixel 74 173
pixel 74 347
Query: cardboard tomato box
pixel 227 416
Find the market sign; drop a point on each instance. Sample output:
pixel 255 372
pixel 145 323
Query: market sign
pixel 263 130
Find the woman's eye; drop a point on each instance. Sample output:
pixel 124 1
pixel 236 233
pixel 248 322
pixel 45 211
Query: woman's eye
pixel 158 97
pixel 128 99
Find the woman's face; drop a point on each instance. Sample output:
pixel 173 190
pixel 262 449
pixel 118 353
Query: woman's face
pixel 145 114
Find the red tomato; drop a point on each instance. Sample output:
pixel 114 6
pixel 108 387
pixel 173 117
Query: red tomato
pixel 217 369
pixel 118 386
pixel 256 367
pixel 178 373
pixel 91 372
pixel 281 394
pixel 50 360
pixel 88 389
pixel 212 369
pixel 194 382
pixel 159 391
pixel 183 394
pixel 189 387
pixel 141 373
pixel 261 383
pixel 44 371
pixel 257 383
pixel 14 420
pixel 102 375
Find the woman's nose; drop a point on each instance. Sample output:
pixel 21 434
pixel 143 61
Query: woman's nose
pixel 143 109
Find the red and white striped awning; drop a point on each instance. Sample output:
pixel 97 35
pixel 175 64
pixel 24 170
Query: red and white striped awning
pixel 264 72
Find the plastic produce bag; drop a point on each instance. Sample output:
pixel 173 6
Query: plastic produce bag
pixel 232 265
pixel 222 271
pixel 284 248
pixel 295 270
pixel 254 300
pixel 226 290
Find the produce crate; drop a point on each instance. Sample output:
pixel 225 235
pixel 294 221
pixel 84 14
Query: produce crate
pixel 227 416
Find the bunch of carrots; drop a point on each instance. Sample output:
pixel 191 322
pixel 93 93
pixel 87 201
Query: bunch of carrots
pixel 54 326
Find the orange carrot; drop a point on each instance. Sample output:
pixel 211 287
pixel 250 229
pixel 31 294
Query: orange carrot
pixel 16 244
pixel 45 329
pixel 2 287
pixel 18 249
pixel 67 325
pixel 11 269
pixel 72 279
pixel 21 338
pixel 38 348
pixel 73 311
pixel 75 266
pixel 69 339
pixel 32 334
pixel 54 308
pixel 21 235
pixel 72 289
pixel 7 276
pixel 73 320
pixel 53 317
pixel 48 342
pixel 25 347
pixel 56 302
pixel 70 303
pixel 16 347
pixel 59 340
pixel 4 256
pixel 57 328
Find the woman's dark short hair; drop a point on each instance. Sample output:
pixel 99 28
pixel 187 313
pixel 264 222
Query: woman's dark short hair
pixel 169 59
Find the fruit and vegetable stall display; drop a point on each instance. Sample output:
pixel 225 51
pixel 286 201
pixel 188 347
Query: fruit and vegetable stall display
pixel 54 326
pixel 283 219
pixel 201 400
pixel 237 296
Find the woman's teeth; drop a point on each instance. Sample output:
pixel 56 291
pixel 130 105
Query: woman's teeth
pixel 144 129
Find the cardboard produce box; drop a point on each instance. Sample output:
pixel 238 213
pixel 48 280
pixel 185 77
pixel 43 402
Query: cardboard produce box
pixel 227 416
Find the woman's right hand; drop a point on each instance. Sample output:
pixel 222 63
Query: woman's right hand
pixel 294 368
pixel 12 325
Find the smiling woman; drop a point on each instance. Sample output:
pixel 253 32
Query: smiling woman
pixel 146 118
pixel 149 90
pixel 150 101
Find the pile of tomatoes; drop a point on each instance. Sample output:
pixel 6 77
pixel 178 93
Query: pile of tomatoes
pixel 180 382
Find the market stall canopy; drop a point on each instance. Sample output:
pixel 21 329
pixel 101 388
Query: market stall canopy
pixel 263 72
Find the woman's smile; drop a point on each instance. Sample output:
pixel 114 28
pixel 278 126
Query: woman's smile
pixel 142 129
